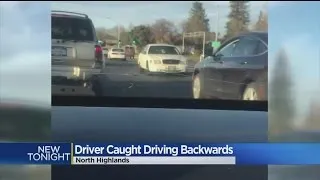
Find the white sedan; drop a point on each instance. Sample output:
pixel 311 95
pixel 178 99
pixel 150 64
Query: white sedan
pixel 116 53
pixel 162 58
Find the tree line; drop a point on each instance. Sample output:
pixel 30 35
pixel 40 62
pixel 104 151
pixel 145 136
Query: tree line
pixel 165 31
pixel 282 109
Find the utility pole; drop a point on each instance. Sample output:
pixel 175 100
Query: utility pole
pixel 217 24
pixel 118 35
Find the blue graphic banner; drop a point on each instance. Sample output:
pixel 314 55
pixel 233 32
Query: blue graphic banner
pixel 244 153
pixel 35 153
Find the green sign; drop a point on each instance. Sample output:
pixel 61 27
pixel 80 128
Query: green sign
pixel 135 41
pixel 215 44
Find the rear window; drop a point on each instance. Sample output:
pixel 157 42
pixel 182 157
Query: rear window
pixel 130 48
pixel 71 29
pixel 117 50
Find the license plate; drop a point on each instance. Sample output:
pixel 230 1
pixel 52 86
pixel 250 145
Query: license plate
pixel 59 51
pixel 171 68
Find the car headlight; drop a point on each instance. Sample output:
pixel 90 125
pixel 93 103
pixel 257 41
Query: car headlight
pixel 156 61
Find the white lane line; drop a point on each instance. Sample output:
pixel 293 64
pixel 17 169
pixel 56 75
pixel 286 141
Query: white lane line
pixel 131 85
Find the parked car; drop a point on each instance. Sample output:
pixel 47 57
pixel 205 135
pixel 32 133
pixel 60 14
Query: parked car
pixel 116 54
pixel 76 54
pixel 237 70
pixel 163 58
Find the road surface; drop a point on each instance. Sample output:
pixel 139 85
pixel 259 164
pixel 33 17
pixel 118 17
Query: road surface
pixel 123 79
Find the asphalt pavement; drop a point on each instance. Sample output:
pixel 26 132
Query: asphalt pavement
pixel 123 79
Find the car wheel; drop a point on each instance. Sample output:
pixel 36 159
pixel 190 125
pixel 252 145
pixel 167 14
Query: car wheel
pixel 141 70
pixel 148 69
pixel 147 66
pixel 95 85
pixel 197 87
pixel 251 93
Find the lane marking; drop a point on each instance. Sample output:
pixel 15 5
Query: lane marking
pixel 131 85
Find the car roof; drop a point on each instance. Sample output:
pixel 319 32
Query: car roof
pixel 260 34
pixel 68 14
pixel 162 45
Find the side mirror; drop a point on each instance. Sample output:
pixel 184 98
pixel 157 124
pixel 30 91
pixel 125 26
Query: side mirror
pixel 208 52
pixel 217 56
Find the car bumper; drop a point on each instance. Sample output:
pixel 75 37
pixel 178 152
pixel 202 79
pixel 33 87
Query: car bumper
pixel 65 90
pixel 172 68
pixel 117 57
pixel 74 72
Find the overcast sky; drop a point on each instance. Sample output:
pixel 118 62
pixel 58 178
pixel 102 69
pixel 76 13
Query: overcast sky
pixel 146 12
pixel 25 45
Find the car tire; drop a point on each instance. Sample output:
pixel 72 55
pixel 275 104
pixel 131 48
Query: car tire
pixel 147 68
pixel 197 87
pixel 141 70
pixel 95 85
pixel 251 93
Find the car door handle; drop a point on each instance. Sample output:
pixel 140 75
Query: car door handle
pixel 243 63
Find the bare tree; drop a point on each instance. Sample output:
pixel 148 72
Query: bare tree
pixel 102 33
pixel 163 31
pixel 142 35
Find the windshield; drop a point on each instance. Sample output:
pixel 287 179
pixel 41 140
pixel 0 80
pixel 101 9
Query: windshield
pixel 156 56
pixel 71 29
pixel 117 50
pixel 163 50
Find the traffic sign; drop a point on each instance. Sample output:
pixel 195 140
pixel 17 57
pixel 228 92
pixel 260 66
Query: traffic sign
pixel 215 44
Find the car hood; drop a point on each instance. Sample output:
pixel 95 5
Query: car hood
pixel 166 56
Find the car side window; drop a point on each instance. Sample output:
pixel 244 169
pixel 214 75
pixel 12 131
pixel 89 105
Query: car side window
pixel 247 46
pixel 262 48
pixel 228 49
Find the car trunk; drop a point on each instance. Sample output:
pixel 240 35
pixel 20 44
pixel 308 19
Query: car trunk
pixel 73 42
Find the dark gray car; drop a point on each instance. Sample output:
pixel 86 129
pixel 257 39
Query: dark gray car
pixel 237 70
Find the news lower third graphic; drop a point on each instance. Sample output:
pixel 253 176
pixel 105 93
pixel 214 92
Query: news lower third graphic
pixel 165 154
pixel 48 153
pixel 152 154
